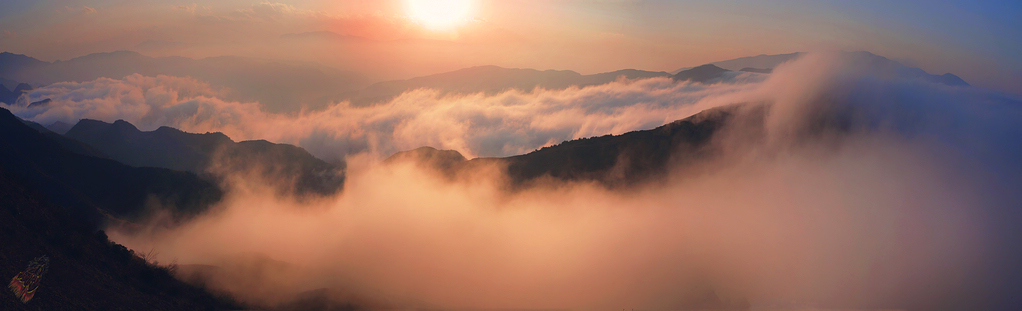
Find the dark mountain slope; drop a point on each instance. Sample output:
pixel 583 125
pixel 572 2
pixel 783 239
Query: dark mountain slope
pixel 701 74
pixel 71 145
pixel 612 160
pixel 86 270
pixel 757 70
pixel 164 147
pixel 626 159
pixel 93 187
pixel 212 155
pixel 490 79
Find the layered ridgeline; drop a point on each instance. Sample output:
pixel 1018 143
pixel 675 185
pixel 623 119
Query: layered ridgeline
pixel 764 64
pixel 93 187
pixel 213 155
pixel 648 155
pixel 289 87
pixel 493 79
pixel 101 170
pixel 490 80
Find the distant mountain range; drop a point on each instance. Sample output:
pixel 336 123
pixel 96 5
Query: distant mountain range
pixel 702 74
pixel 766 63
pixel 288 87
pixel 895 69
pixel 493 79
pixel 279 86
pixel 212 155
pixel 761 61
pixel 490 80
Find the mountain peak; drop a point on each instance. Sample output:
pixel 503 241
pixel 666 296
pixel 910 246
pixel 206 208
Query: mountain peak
pixel 700 74
pixel 429 157
pixel 22 87
pixel 122 125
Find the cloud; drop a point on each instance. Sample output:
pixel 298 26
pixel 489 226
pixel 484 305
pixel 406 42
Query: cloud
pixel 263 11
pixel 858 191
pixel 88 10
pixel 7 34
pixel 504 124
pixel 773 231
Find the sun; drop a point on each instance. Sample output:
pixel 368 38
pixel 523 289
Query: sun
pixel 439 14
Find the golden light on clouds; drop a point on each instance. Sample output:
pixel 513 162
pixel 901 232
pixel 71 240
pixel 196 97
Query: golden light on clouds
pixel 439 14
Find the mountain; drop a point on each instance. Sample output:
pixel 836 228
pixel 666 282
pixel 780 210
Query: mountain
pixel 611 160
pixel 895 69
pixel 490 80
pixel 10 96
pixel 760 61
pixel 211 154
pixel 59 127
pixel 8 83
pixel 278 85
pixel 95 189
pixel 766 63
pixel 623 159
pixel 701 74
pixel 11 64
pixel 757 70
pixel 86 271
pixel 6 96
pixel 68 144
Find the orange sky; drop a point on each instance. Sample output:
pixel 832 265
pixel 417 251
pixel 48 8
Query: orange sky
pixel 585 36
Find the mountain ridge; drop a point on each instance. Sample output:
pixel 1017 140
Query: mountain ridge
pixel 614 161
pixel 490 79
pixel 211 155
pixel 96 189
pixel 764 63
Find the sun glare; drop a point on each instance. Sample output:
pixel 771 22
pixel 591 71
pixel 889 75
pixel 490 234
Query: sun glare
pixel 439 14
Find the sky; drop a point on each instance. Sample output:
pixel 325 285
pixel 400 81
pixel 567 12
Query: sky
pixel 977 40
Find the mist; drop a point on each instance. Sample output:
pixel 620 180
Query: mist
pixel 509 123
pixel 857 190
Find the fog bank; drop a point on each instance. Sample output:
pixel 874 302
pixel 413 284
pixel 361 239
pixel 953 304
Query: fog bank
pixel 857 191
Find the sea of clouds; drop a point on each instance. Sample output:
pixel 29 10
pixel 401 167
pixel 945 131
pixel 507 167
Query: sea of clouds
pixel 911 203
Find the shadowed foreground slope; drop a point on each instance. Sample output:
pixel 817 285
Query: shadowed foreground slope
pixel 86 270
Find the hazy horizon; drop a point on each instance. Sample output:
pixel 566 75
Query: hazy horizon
pixel 377 38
